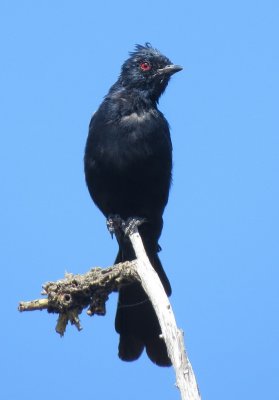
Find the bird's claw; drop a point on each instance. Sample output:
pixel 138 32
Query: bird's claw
pixel 131 224
pixel 114 223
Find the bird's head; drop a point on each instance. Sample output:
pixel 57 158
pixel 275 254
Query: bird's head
pixel 148 71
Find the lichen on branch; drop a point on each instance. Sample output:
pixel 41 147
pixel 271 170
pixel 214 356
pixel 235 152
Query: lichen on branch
pixel 69 296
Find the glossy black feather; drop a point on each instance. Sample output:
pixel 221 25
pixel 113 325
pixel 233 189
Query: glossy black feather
pixel 128 164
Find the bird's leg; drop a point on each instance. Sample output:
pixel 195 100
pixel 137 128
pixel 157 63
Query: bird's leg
pixel 131 223
pixel 123 228
pixel 114 225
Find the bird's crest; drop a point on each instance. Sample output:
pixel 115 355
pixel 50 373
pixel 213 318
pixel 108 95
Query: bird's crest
pixel 144 49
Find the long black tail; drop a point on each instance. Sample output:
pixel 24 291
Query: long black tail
pixel 136 321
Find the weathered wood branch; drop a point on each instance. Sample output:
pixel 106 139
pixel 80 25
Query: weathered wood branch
pixel 185 377
pixel 69 296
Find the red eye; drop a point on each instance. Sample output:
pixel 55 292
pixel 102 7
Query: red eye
pixel 145 66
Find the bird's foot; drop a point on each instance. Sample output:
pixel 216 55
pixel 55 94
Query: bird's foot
pixel 114 224
pixel 131 224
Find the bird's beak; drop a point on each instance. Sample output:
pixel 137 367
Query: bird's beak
pixel 169 69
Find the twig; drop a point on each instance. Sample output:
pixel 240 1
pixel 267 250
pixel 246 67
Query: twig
pixel 68 297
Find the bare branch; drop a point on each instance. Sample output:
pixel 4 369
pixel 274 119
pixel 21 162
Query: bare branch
pixel 173 337
pixel 69 296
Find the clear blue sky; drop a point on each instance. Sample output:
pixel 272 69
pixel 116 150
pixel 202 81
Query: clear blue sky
pixel 220 241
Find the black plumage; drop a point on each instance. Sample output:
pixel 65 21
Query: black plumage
pixel 128 166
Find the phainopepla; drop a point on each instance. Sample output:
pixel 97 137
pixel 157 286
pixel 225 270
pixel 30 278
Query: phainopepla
pixel 128 166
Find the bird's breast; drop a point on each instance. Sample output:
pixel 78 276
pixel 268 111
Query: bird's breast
pixel 129 139
pixel 135 118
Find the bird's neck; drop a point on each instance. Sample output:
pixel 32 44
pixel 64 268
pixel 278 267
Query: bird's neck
pixel 145 96
pixel 131 100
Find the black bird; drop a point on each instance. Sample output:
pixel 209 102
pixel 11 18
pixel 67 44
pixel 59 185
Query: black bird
pixel 128 166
